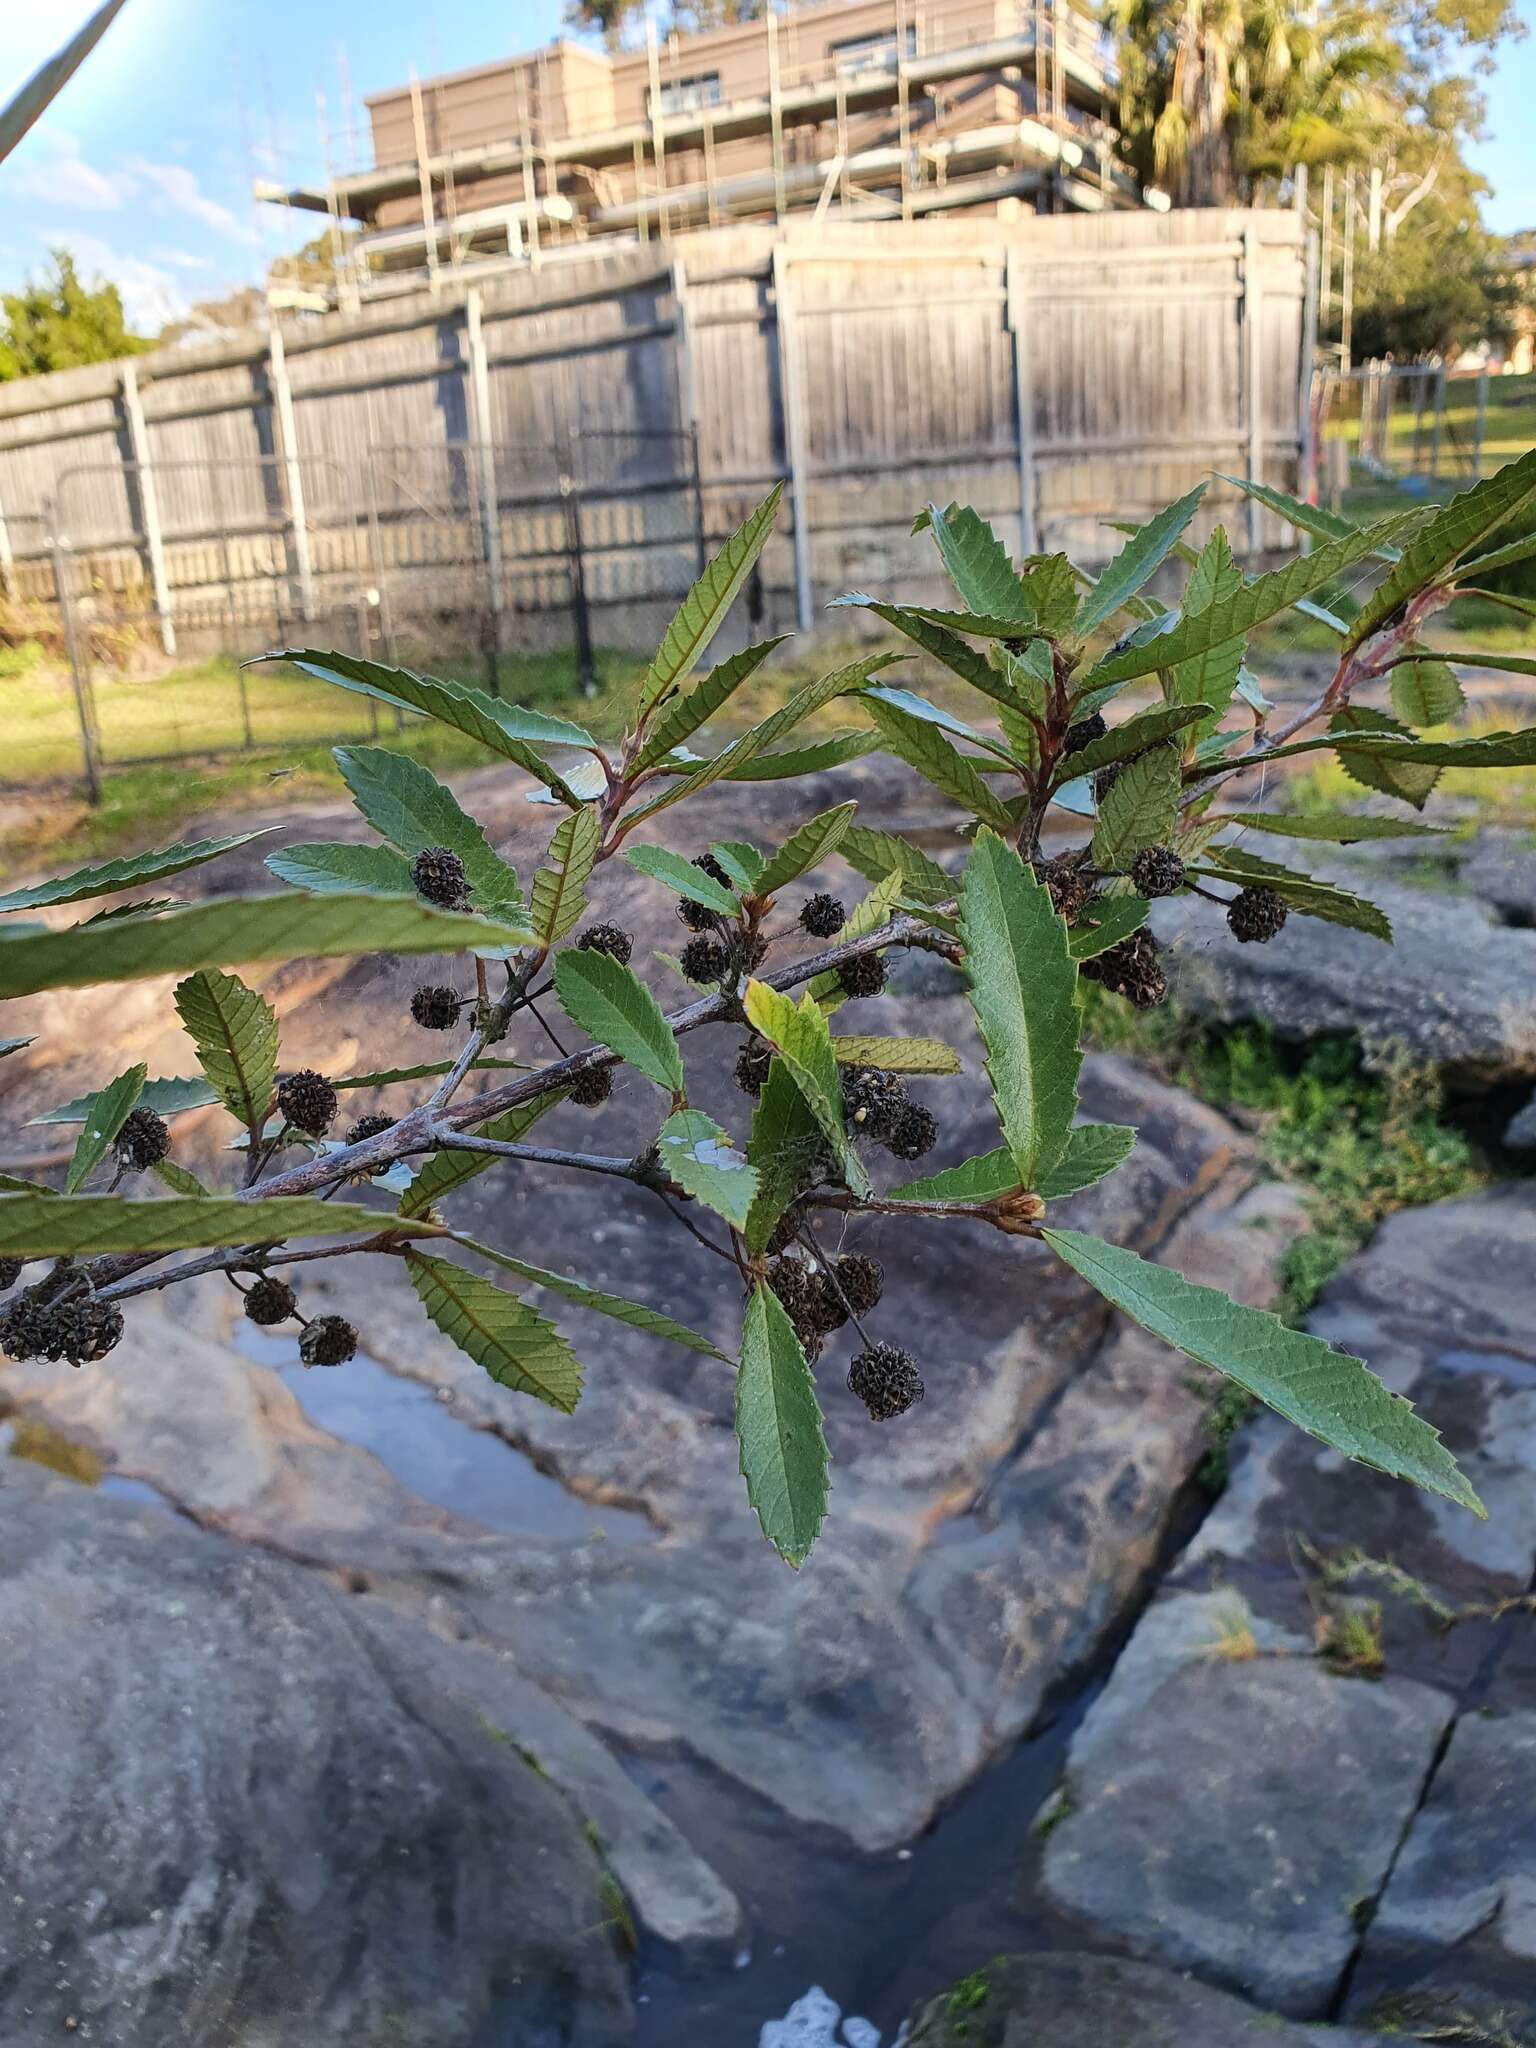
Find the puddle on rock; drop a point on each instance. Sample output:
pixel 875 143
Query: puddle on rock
pixel 420 1440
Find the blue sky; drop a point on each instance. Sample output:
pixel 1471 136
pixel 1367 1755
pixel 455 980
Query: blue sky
pixel 143 166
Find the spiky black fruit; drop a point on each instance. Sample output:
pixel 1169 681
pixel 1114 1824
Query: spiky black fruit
pixel 10 1273
pixel 1069 885
pixel 87 1329
pixel 708 865
pixel 308 1101
pixel 752 1064
pixel 872 1101
pixel 886 1380
pixel 1084 733
pixel 1104 779
pixel 435 1006
pixel 368 1127
pixel 697 916
pixel 705 959
pixel 1157 871
pixel 782 1236
pixel 862 976
pixel 822 916
pixel 1255 915
pixel 1132 969
pixel 26 1326
pixel 799 1293
pixel 827 1309
pixel 862 1281
pixel 142 1141
pixel 611 939
pixel 914 1132
pixel 439 876
pixel 592 1086
pixel 269 1301
pixel 328 1340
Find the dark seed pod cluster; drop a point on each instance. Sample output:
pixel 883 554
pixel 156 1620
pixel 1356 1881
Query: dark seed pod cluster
pixel 269 1301
pixel 592 1086
pixel 1132 970
pixel 440 876
pixel 864 975
pixel 611 939
pixel 82 1330
pixel 143 1140
pixel 1084 733
pixel 1254 916
pixel 861 1280
pixel 1157 871
pixel 708 865
pixel 10 1273
pixel 368 1127
pixel 308 1101
pixel 886 1380
pixel 435 1006
pixel 1104 779
pixel 705 959
pixel 812 1304
pixel 328 1340
pixel 914 1132
pixel 822 916
pixel 752 1064
pixel 1071 888
pixel 872 1101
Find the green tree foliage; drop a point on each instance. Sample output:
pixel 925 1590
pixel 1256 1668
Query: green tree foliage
pixel 610 19
pixel 772 960
pixel 60 322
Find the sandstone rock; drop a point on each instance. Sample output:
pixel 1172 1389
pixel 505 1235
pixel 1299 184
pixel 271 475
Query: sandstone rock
pixel 1520 1131
pixel 1093 2001
pixel 234 1811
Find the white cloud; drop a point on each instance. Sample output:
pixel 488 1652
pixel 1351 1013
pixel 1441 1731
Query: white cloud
pixel 178 259
pixel 64 178
pixel 179 189
pixel 152 293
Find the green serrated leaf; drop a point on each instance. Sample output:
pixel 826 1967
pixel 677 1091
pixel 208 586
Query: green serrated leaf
pixel 34 1227
pixel 799 1034
pixel 442 1172
pixel 1024 993
pixel 329 868
pixel 1211 677
pixel 740 859
pixel 924 748
pixel 110 876
pixel 778 1425
pixel 559 886
pixel 982 1179
pixel 1146 729
pixel 1314 519
pixel 10 1045
pixel 1469 518
pixel 702 612
pixel 615 1306
pixel 683 877
pixel 814 758
pixel 1141 809
pixel 504 728
pixel 1426 693
pixel 978 564
pixel 223 930
pixel 510 1340
pixel 683 714
pixel 1304 893
pixel 784 1149
pixel 1115 918
pixel 1229 618
pixel 407 805
pixel 1504 557
pixel 957 655
pixel 1337 828
pixel 1328 1393
pixel 700 1157
pixel 1401 779
pixel 177 1178
pixel 104 1118
pixel 1092 1151
pixel 235 1032
pixel 920 708
pixel 165 1098
pixel 898 1055
pixel 878 854
pixel 1137 562
pixel 804 849
pixel 613 1006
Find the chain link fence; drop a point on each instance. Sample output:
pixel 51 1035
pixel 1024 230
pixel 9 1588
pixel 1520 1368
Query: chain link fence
pixel 1411 423
pixel 531 571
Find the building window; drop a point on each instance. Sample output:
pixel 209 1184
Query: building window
pixel 875 52
pixel 687 95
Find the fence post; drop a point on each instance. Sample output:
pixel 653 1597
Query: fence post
pixel 581 616
pixel 1482 421
pixel 149 503
pixel 7 560
pixel 794 431
pixel 1254 340
pixel 72 650
pixel 1309 387
pixel 1023 400
pixel 687 399
pixel 1439 427
pixel 485 452
pixel 293 476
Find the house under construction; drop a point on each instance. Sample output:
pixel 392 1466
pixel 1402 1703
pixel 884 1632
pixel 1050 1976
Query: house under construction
pixel 866 110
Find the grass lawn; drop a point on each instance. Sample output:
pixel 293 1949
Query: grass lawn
pixel 1509 426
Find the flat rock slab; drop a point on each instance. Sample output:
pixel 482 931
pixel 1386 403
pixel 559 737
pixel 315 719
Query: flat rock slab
pixel 1237 1820
pixel 1092 2001
pixel 1456 991
pixel 234 1812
